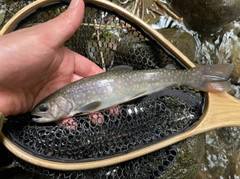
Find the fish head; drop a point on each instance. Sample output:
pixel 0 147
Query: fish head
pixel 52 109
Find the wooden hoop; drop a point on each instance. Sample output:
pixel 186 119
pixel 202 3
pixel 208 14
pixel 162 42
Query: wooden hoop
pixel 221 110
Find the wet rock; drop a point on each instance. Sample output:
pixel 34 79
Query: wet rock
pixel 2 16
pixel 235 76
pixel 231 52
pixel 206 15
pixel 149 16
pixel 222 159
pixel 191 152
pixel 182 40
pixel 230 136
pixel 235 59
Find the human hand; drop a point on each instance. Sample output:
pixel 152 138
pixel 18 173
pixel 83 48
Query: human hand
pixel 34 63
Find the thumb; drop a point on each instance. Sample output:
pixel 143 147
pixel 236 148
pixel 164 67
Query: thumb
pixel 64 26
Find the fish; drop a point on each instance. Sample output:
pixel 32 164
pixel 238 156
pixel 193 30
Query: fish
pixel 115 87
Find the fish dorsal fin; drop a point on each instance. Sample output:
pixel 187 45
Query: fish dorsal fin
pixel 122 67
pixel 144 93
pixel 89 108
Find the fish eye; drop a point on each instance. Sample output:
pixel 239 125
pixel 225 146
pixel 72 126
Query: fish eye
pixel 43 107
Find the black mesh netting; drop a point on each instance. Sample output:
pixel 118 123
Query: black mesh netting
pixel 88 138
pixel 110 40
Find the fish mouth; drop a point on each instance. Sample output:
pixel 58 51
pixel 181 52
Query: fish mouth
pixel 40 119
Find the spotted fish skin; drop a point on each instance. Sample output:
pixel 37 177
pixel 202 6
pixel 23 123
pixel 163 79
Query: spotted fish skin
pixel 108 89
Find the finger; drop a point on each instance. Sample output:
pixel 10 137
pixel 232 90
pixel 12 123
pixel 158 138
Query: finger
pixel 76 77
pixel 84 67
pixel 62 27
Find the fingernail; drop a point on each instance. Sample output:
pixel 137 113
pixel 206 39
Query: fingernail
pixel 73 3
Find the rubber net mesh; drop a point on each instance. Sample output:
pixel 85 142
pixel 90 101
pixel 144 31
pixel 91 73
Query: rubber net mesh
pixel 109 40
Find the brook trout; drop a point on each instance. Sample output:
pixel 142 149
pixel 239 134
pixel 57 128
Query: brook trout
pixel 111 88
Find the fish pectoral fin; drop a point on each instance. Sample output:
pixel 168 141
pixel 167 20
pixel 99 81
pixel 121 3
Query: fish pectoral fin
pixel 89 108
pixel 144 93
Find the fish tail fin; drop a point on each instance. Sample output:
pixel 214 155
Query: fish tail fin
pixel 215 78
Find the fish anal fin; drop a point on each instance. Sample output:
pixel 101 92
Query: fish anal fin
pixel 144 93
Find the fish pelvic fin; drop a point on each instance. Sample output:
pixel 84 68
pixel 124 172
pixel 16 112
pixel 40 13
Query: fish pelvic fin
pixel 215 78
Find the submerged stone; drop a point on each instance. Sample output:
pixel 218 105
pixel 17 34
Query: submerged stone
pixel 206 15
